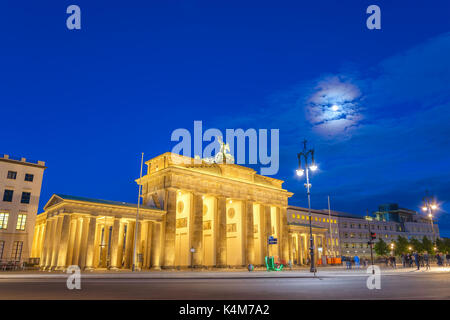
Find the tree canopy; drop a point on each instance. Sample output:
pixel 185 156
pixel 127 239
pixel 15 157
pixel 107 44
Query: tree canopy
pixel 381 248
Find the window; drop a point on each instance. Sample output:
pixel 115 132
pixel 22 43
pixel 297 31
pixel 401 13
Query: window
pixel 29 177
pixel 12 175
pixel 16 253
pixel 25 197
pixel 8 195
pixel 4 220
pixel 2 247
pixel 21 220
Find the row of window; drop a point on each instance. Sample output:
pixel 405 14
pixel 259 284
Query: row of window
pixel 366 226
pixel 314 218
pixel 365 235
pixel 16 253
pixel 8 196
pixel 21 221
pixel 356 245
pixel 13 176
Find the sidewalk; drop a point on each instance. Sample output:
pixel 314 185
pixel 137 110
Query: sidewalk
pixel 217 274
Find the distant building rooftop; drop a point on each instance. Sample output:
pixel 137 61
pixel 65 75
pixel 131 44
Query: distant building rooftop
pixel 22 160
pixel 325 212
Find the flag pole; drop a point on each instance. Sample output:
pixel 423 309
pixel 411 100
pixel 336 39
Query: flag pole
pixel 137 215
pixel 329 219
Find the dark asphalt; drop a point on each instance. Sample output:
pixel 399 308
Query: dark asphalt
pixel 332 286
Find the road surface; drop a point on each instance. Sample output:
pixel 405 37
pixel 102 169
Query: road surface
pixel 330 284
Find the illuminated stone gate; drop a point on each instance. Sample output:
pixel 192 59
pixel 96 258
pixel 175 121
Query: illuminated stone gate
pixel 225 212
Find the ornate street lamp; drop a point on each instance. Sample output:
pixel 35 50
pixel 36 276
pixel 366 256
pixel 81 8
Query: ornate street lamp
pixel 305 154
pixel 429 204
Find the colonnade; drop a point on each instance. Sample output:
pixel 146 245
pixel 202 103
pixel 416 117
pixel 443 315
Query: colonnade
pixel 96 242
pixel 240 233
pixel 299 244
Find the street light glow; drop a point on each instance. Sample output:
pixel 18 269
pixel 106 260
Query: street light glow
pixel 433 206
pixel 313 167
pixel 299 172
pixel 424 208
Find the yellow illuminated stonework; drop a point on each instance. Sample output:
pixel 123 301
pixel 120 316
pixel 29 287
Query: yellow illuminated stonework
pixel 226 212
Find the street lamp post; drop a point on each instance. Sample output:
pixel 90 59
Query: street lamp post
pixel 429 204
pixel 305 155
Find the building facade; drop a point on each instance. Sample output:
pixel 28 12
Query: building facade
pixel 389 222
pixel 193 214
pixel 20 187
pixel 325 228
pixel 199 214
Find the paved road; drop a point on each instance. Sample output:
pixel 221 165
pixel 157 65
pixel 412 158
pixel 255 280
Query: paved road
pixel 331 284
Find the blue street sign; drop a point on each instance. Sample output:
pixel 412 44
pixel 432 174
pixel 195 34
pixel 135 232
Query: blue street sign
pixel 273 240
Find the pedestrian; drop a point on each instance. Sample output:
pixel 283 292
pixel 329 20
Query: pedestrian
pixel 394 262
pixel 438 258
pixel 348 263
pixel 426 259
pixel 416 259
pixel 447 257
pixel 403 260
pixel 421 260
pixel 357 262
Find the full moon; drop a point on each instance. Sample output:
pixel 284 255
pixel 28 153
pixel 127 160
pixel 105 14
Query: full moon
pixel 335 108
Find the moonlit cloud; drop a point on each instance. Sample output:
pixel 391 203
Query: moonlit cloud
pixel 335 106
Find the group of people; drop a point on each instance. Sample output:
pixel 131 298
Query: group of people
pixel 420 260
pixel 410 260
pixel 350 260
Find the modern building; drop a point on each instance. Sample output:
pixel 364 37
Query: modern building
pixel 389 222
pixel 193 214
pixel 20 187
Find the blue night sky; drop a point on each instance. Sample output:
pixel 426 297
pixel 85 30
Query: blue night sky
pixel 88 102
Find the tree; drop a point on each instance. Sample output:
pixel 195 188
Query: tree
pixel 416 245
pixel 427 245
pixel 442 245
pixel 401 246
pixel 381 248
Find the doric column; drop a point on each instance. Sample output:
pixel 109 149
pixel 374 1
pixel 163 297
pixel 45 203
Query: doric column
pixel 156 246
pixel 197 232
pixel 83 243
pixel 90 243
pixel 148 245
pixel 122 239
pixel 70 245
pixel 267 228
pixel 43 260
pixel 56 241
pixel 115 264
pixel 138 244
pixel 129 245
pixel 221 250
pixel 170 228
pixel 76 244
pixel 284 240
pixel 291 256
pixel 250 245
pixel 64 242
